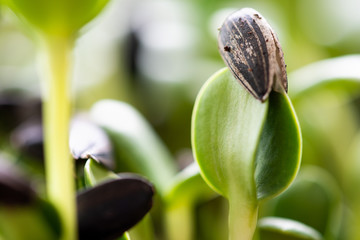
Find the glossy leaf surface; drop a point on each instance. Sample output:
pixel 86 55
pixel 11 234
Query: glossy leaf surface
pixel 272 228
pixel 226 128
pixel 233 135
pixel 279 151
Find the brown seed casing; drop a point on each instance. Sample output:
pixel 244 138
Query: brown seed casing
pixel 253 53
pixel 112 207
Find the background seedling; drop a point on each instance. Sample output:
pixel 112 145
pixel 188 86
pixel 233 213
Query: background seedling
pixel 55 25
pixel 315 200
pixel 329 95
pixel 274 228
pixel 137 147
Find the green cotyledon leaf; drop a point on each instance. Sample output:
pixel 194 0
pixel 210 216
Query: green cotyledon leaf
pixel 237 139
pixel 247 150
pixel 279 151
pixel 59 17
pixel 226 128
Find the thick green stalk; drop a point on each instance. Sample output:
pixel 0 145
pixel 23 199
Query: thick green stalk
pixel 243 213
pixel 55 64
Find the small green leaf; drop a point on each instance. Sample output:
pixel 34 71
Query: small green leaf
pixel 273 228
pixel 279 151
pixel 136 145
pixel 226 128
pixel 95 173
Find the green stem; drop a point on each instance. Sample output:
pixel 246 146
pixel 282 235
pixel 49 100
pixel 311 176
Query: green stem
pixel 180 221
pixel 56 62
pixel 242 218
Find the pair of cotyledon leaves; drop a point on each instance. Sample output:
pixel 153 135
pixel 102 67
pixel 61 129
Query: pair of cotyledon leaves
pixel 248 150
pixel 242 144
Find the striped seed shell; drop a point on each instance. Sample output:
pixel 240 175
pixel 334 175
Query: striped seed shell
pixel 252 52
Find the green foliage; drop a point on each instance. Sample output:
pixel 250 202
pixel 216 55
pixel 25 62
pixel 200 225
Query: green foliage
pixel 188 186
pixel 315 200
pixel 325 96
pixel 95 173
pixel 279 151
pixel 63 18
pixel 137 147
pixel 233 134
pixel 227 124
pixel 273 228
pixel 246 150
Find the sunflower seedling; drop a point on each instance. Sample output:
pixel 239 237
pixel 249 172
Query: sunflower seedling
pixel 247 150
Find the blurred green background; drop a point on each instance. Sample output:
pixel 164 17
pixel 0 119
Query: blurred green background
pixel 156 54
